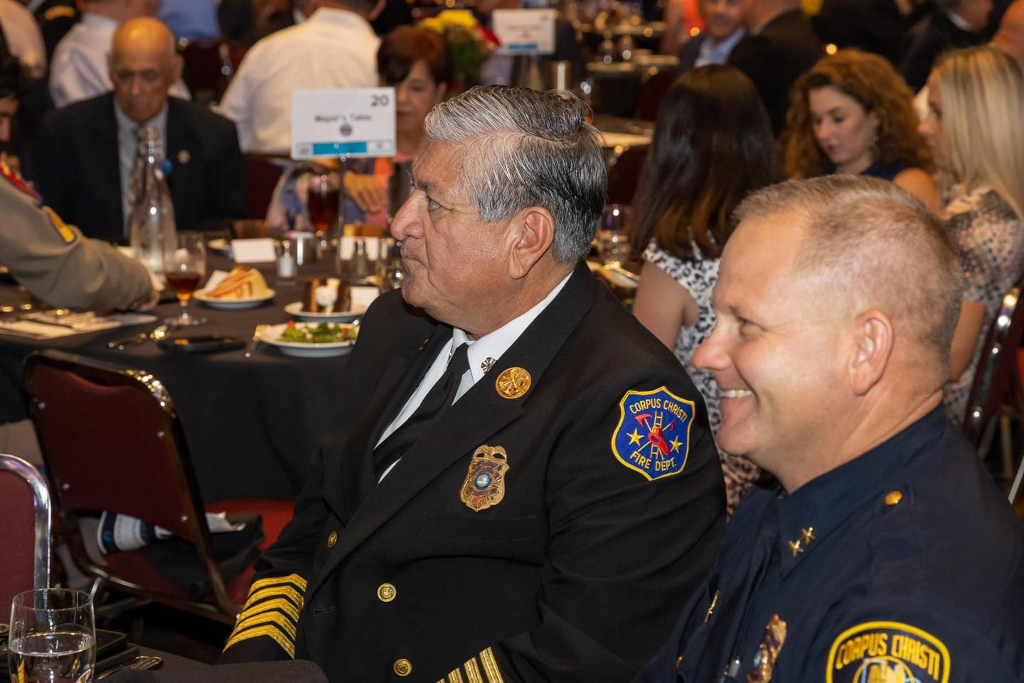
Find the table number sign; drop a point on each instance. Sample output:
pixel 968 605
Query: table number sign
pixel 525 31
pixel 352 122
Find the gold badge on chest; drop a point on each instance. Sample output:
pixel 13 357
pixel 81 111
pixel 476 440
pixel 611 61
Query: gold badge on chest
pixel 484 486
pixel 512 383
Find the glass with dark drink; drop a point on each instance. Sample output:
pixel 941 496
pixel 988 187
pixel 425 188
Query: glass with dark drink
pixel 184 268
pixel 324 196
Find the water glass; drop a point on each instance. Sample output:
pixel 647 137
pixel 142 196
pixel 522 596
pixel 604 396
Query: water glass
pixel 613 234
pixel 53 637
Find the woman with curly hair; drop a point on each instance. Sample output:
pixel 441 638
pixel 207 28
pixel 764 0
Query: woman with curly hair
pixel 712 146
pixel 852 113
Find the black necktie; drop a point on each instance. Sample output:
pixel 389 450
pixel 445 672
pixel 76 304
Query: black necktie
pixel 440 397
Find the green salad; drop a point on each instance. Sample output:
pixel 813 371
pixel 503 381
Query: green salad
pixel 324 333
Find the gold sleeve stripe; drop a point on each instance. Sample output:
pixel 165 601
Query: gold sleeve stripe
pixel 455 677
pixel 490 666
pixel 295 579
pixel 283 591
pixel 279 604
pixel 268 618
pixel 58 12
pixel 270 631
pixel 473 672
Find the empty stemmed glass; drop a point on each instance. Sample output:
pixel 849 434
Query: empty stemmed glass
pixel 184 268
pixel 53 637
pixel 613 234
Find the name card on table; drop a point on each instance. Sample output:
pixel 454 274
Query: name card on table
pixel 256 250
pixel 362 297
pixel 525 31
pixel 352 122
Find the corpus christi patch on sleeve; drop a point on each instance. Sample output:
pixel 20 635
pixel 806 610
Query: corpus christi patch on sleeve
pixel 887 651
pixel 653 434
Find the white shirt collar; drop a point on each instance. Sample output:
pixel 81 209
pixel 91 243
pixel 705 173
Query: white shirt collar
pixel 494 344
pixel 99 21
pixel 340 17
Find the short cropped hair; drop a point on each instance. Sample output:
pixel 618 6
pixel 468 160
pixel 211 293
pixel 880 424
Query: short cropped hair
pixel 402 48
pixel 875 246
pixel 527 148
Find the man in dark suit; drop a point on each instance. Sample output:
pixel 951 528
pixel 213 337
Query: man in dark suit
pixel 541 526
pixel 779 46
pixel 951 24
pixel 87 150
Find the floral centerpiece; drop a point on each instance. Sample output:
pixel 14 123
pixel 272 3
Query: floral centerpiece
pixel 469 42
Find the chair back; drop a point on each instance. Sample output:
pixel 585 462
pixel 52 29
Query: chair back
pixel 625 166
pixel 261 173
pixel 208 68
pixel 112 442
pixel 25 532
pixel 653 93
pixel 996 366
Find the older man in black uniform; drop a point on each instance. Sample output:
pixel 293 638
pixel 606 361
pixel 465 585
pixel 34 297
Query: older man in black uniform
pixel 886 553
pixel 539 528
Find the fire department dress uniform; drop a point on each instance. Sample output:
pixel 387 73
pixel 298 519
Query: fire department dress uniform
pixel 540 533
pixel 55 263
pixel 905 564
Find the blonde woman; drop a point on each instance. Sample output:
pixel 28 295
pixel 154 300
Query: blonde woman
pixel 852 113
pixel 975 129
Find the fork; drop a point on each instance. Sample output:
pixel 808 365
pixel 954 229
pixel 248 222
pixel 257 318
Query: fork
pixel 255 340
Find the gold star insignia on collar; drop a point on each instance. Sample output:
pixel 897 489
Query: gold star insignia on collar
pixel 487 364
pixel 794 547
pixel 807 535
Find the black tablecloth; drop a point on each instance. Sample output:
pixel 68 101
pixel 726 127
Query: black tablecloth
pixel 251 423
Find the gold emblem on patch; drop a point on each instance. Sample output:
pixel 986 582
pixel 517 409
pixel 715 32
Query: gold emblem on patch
pixel 485 482
pixel 512 383
pixel 768 651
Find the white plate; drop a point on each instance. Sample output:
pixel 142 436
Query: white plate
pixel 232 304
pixel 221 246
pixel 271 336
pixel 295 309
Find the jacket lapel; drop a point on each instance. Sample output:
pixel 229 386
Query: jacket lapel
pixel 106 152
pixel 477 415
pixel 178 152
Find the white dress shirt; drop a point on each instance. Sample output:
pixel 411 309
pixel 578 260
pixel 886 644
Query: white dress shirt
pixel 24 39
pixel 80 69
pixel 481 353
pixel 334 48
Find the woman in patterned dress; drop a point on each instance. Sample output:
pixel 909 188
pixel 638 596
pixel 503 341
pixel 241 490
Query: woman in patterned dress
pixel 712 145
pixel 975 128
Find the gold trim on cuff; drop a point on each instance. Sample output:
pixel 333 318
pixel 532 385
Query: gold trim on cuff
pixel 491 666
pixel 269 630
pixel 279 604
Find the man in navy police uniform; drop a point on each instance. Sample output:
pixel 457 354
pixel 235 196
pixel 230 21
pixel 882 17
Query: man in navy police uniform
pixel 886 552
pixel 545 526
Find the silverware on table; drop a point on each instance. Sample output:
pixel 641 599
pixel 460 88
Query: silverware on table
pixel 140 663
pixel 255 339
pixel 155 335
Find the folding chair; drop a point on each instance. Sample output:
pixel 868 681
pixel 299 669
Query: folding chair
pixel 112 442
pixel 995 378
pixel 25 532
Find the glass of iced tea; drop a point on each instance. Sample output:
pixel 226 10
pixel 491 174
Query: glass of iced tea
pixel 184 268
pixel 53 637
pixel 323 203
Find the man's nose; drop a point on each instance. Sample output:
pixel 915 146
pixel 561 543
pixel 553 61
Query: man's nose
pixel 710 356
pixel 406 222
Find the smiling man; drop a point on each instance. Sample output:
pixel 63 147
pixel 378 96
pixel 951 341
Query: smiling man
pixel 522 482
pixel 885 553
pixel 87 149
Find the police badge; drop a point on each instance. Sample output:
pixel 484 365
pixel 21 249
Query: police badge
pixel 484 486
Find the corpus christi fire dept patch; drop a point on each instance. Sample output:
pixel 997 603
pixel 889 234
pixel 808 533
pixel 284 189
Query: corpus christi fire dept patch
pixel 653 435
pixel 887 651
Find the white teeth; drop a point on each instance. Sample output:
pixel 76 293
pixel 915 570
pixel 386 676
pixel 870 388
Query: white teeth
pixel 736 393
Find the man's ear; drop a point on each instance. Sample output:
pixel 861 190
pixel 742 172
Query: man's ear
pixel 531 234
pixel 873 342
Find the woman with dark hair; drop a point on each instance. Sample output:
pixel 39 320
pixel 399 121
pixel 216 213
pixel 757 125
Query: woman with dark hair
pixel 713 145
pixel 416 63
pixel 852 113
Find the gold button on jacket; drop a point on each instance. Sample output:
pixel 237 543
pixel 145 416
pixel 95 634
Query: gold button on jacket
pixel 403 667
pixel 386 592
pixel 332 539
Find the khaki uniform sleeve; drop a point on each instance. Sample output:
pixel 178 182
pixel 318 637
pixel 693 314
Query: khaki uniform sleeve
pixel 55 263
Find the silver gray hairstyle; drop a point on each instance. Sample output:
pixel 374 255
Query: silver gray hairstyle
pixel 528 148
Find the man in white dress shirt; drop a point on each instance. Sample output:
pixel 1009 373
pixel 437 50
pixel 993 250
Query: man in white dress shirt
pixel 335 48
pixel 80 68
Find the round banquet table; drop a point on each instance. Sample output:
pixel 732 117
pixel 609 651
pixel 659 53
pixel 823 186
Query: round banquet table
pixel 251 424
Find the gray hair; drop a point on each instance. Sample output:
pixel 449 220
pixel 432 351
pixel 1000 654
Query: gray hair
pixel 528 148
pixel 872 245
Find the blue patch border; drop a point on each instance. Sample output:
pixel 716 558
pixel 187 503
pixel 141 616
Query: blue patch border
pixel 622 418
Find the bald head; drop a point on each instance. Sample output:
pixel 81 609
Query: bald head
pixel 1010 36
pixel 143 66
pixel 868 244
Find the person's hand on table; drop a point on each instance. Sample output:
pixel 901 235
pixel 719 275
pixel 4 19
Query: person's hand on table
pixel 366 191
pixel 150 302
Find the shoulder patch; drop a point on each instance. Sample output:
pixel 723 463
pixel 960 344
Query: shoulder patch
pixel 15 180
pixel 67 235
pixel 59 12
pixel 653 434
pixel 887 651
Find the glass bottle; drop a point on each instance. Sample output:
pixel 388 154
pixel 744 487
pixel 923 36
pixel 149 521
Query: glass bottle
pixel 359 267
pixel 151 231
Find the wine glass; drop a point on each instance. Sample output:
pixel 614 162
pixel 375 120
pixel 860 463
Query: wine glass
pixel 613 234
pixel 184 268
pixel 53 636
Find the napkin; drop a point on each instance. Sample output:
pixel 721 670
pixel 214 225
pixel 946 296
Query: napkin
pixel 51 325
